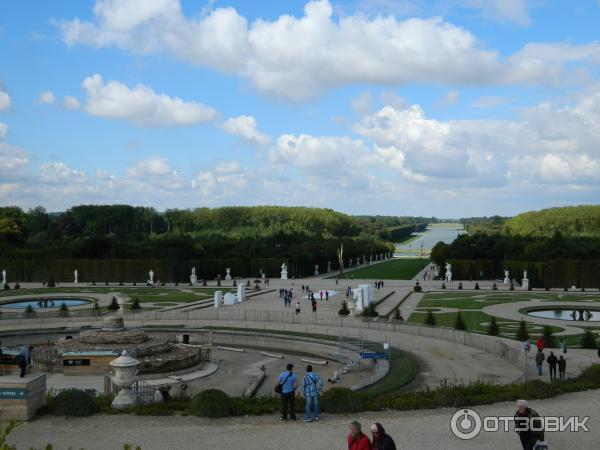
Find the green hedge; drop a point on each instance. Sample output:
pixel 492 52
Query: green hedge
pixel 551 274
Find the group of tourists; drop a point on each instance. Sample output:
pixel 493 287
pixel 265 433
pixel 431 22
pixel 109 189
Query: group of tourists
pixel 378 284
pixel 311 388
pixel 286 295
pixel 552 360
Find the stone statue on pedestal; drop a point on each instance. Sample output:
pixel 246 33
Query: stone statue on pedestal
pixel 448 273
pixel 284 272
pixel 76 276
pixel 228 275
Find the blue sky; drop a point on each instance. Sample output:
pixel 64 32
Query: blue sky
pixel 449 108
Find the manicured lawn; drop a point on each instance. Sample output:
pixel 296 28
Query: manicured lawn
pixel 396 269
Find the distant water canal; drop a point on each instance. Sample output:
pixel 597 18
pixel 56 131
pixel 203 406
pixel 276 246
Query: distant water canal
pixel 428 239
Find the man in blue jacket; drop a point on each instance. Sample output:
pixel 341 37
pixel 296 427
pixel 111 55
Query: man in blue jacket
pixel 289 383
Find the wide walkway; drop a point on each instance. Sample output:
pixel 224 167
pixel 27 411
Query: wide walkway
pixel 412 430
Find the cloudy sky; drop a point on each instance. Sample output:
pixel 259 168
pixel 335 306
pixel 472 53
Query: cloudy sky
pixel 406 107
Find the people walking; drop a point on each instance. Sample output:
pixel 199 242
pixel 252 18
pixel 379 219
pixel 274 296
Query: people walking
pixel 312 385
pixel 527 424
pixel 552 361
pixel 539 360
pixel 562 367
pixel 540 344
pixel 286 386
pixel 357 440
pixel 381 440
pixel 314 307
pixel 298 307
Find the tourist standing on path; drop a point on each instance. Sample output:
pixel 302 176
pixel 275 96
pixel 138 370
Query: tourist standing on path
pixel 381 440
pixel 562 367
pixel 357 440
pixel 314 307
pixel 326 295
pixel 552 362
pixel 525 419
pixel 312 385
pixel 539 360
pixel 540 344
pixel 298 307
pixel 563 345
pixel 286 386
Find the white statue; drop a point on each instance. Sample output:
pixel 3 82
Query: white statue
pixel 76 276
pixel 193 277
pixel 228 276
pixel 194 271
pixel 525 282
pixel 328 266
pixel 4 277
pixel 506 277
pixel 151 275
pixel 448 272
pixel 316 273
pixel 284 272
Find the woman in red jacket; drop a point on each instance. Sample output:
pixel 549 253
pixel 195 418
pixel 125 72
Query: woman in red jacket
pixel 357 440
pixel 540 343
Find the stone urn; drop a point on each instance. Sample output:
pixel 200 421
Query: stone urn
pixel 125 368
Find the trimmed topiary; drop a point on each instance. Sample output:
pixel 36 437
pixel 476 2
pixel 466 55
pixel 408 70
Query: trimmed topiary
pixel 459 323
pixel 114 305
pixel 522 332
pixel 211 403
pixel 341 400
pixel 588 340
pixel 74 402
pixel 548 334
pixel 430 318
pixel 344 311
pixel 476 286
pixel 493 328
pixel 63 310
pixel 136 303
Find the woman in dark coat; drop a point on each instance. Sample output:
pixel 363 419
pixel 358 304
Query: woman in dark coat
pixel 381 440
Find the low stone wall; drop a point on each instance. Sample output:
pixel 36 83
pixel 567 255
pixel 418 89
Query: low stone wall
pixel 20 398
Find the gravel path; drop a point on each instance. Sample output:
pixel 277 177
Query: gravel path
pixel 427 429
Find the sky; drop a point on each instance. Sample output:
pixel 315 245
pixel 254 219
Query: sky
pixel 447 108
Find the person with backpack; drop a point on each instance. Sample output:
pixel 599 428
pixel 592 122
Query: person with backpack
pixel 381 440
pixel 312 386
pixel 286 386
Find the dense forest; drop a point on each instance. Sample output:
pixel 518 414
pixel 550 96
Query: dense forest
pixel 244 238
pixel 489 225
pixel 583 220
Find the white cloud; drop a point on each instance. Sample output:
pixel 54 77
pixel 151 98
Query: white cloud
pixel 297 58
pixel 489 101
pixel 46 97
pixel 5 99
pixel 70 102
pixel 155 173
pixel 3 130
pixel 246 128
pixel 58 173
pixel 141 105
pixel 13 162
pixel 450 98
pixel 363 104
pixel 515 11
pixel 226 179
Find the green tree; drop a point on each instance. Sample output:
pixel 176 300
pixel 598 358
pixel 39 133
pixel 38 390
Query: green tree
pixel 588 340
pixel 135 304
pixel 430 318
pixel 548 335
pixel 522 333
pixel 493 328
pixel 114 305
pixel 344 311
pixel 459 323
